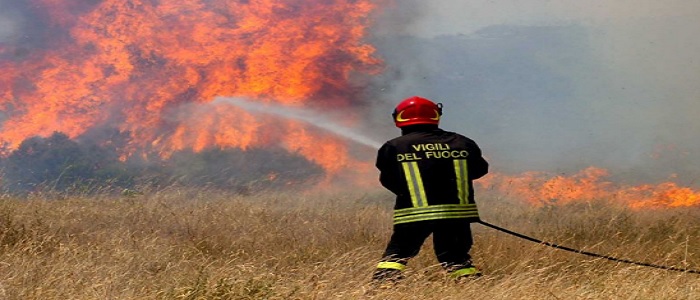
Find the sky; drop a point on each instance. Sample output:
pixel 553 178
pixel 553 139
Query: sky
pixel 555 85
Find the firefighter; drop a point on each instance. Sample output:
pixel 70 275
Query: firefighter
pixel 430 171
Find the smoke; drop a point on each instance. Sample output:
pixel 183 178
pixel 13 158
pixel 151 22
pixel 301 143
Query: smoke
pixel 540 85
pixel 555 86
pixel 10 22
pixel 12 25
pixel 81 68
pixel 8 27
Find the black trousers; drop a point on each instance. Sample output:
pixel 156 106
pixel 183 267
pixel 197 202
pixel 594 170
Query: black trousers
pixel 452 241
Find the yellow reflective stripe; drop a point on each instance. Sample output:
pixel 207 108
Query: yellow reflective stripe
pixel 391 265
pixel 435 212
pixel 436 216
pixel 415 183
pixel 460 186
pixel 411 185
pixel 465 272
pixel 462 174
pixel 419 181
pixel 435 208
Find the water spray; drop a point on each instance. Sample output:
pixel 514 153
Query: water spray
pixel 314 118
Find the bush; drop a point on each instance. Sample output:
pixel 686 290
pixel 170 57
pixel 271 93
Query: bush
pixel 60 164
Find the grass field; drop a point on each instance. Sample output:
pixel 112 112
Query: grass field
pixel 202 244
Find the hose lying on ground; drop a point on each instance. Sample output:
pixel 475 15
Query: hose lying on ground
pixel 553 245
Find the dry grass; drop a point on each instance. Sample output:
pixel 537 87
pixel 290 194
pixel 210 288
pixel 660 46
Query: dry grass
pixel 200 244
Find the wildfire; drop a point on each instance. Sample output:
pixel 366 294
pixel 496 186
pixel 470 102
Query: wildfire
pixel 150 67
pixel 589 184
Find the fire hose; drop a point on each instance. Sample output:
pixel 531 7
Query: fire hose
pixel 553 245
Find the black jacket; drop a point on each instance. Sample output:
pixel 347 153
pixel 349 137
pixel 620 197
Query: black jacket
pixel 431 172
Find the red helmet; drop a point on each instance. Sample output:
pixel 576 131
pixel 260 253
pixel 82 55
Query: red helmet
pixel 417 110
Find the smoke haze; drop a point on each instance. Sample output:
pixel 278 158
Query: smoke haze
pixel 540 85
pixel 555 86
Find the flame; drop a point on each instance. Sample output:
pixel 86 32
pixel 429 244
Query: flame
pixel 150 68
pixel 539 188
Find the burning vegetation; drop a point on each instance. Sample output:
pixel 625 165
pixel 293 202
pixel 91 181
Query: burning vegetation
pixel 149 70
pixel 58 163
pixel 590 184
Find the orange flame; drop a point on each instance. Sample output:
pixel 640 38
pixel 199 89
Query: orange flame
pixel 588 185
pixel 151 68
pixel 147 67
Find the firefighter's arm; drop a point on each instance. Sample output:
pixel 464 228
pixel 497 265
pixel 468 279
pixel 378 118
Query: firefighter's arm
pixel 388 170
pixel 478 166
